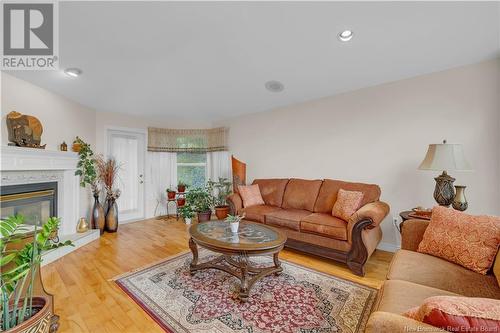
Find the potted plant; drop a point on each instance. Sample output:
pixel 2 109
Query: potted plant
pixel 187 213
pixel 108 172
pixel 170 194
pixel 181 187
pixel 202 202
pixel 220 191
pixel 86 169
pixel 234 222
pixel 22 311
pixel 181 201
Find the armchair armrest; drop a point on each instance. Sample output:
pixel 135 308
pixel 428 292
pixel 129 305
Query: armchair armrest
pixel 412 232
pixel 390 322
pixel 373 211
pixel 235 203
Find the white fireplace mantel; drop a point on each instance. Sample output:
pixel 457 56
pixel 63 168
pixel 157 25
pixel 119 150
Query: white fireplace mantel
pixel 17 158
pixel 30 165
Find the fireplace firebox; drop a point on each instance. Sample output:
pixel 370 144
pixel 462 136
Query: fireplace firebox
pixel 36 202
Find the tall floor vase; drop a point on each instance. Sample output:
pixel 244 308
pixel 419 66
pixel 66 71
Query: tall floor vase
pixel 97 218
pixel 112 216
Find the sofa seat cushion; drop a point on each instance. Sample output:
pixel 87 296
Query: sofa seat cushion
pixel 438 273
pixel 286 218
pixel 398 296
pixel 324 225
pixel 301 194
pixel 257 213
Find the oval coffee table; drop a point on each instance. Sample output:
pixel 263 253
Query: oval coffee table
pixel 252 239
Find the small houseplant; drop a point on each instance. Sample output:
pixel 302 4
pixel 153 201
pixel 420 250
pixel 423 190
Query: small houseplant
pixel 86 169
pixel 181 187
pixel 170 194
pixel 187 213
pixel 220 191
pixel 202 202
pixel 17 277
pixel 234 222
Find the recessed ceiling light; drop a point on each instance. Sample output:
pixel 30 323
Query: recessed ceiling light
pixel 73 72
pixel 274 86
pixel 345 35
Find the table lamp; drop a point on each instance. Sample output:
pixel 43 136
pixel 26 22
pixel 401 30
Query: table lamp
pixel 445 157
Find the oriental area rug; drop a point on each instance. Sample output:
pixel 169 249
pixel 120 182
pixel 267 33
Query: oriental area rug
pixel 299 300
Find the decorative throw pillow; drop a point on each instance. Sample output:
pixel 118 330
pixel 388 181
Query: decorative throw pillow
pixel 250 194
pixel 468 240
pixel 347 203
pixel 459 314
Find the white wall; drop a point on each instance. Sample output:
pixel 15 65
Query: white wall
pixel 380 135
pixel 61 118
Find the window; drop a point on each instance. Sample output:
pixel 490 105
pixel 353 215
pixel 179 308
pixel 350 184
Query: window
pixel 191 169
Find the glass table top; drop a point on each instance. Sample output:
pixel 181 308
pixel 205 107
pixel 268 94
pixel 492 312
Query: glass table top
pixel 248 233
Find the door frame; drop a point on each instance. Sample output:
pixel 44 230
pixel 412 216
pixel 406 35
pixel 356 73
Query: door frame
pixel 107 149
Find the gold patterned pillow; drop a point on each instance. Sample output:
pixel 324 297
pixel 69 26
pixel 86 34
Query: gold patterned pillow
pixel 347 203
pixel 468 240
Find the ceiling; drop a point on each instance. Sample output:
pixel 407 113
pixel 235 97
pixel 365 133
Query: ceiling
pixel 211 60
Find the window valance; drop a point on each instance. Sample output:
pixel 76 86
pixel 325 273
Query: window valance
pixel 187 140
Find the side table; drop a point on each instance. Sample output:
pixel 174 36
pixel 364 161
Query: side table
pixel 405 215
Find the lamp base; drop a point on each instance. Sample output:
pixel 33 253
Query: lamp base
pixel 444 192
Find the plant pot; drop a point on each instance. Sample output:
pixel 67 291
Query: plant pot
pixel 181 188
pixel 234 227
pixel 112 216
pixel 181 202
pixel 170 195
pixel 204 216
pixel 40 322
pixel 221 212
pixel 187 220
pixel 97 218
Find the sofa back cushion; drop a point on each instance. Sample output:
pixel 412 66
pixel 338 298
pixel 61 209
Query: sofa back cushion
pixel 272 190
pixel 329 189
pixel 301 194
pixel 468 240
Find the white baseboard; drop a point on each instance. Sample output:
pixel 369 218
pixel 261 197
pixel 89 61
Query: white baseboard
pixel 389 247
pixel 79 240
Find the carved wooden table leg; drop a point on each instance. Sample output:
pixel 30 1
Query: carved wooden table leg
pixel 194 250
pixel 244 287
pixel 277 263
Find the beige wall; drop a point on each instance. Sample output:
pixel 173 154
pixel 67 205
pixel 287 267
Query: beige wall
pixel 61 118
pixel 380 135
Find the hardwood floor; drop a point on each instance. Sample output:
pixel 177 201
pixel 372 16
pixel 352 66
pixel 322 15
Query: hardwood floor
pixel 87 301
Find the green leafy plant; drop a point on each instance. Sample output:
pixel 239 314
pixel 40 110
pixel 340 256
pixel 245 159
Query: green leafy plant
pixel 219 190
pixel 180 183
pixel 186 212
pixel 86 167
pixel 200 200
pixel 19 267
pixel 170 190
pixel 234 218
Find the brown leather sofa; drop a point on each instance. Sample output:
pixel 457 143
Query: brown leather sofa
pixel 415 276
pixel 302 209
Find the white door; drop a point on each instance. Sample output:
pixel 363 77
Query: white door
pixel 128 148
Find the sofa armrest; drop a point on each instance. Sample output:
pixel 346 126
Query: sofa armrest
pixel 235 203
pixel 373 211
pixel 412 232
pixel 390 322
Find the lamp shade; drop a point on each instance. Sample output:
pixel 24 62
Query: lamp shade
pixel 445 157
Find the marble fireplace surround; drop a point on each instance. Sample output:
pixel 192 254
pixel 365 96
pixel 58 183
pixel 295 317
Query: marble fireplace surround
pixel 29 165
